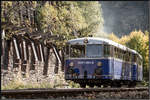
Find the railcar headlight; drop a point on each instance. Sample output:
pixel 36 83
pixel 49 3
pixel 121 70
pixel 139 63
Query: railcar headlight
pixel 99 64
pixel 71 64
pixel 85 40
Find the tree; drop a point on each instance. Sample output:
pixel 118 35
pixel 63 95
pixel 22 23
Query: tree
pixel 113 37
pixel 17 16
pixel 139 42
pixel 92 13
pixel 69 19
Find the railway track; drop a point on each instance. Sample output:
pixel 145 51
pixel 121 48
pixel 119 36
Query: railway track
pixel 141 92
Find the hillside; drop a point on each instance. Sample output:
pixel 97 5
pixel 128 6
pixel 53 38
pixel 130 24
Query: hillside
pixel 122 17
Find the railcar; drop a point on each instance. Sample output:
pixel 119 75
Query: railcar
pixel 99 61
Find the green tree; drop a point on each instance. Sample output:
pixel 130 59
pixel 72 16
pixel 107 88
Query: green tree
pixel 17 16
pixel 92 13
pixel 68 18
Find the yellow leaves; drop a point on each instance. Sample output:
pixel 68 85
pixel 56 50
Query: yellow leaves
pixel 113 37
pixel 136 34
pixel 49 12
pixel 146 37
pixel 7 3
pixel 34 4
pixel 124 40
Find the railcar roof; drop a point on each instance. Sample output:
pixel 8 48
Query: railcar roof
pixel 97 40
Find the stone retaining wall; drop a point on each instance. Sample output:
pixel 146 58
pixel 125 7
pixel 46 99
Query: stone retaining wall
pixel 29 71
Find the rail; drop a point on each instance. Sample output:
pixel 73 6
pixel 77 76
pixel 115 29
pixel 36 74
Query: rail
pixel 73 92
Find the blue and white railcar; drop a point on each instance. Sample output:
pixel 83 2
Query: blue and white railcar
pixel 98 61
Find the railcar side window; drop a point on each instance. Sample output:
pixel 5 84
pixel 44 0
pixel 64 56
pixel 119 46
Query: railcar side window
pixel 120 54
pixel 116 52
pixel 106 50
pixel 115 55
pixel 95 50
pixel 123 54
pixel 127 56
pixel 111 51
pixel 77 51
pixel 134 58
pixel 139 61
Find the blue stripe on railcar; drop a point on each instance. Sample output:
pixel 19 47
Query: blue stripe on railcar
pixel 89 65
pixel 111 69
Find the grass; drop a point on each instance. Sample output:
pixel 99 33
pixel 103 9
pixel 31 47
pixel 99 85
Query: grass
pixel 145 83
pixel 73 84
pixel 21 85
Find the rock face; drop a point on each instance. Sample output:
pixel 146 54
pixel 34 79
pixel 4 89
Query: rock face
pixel 122 17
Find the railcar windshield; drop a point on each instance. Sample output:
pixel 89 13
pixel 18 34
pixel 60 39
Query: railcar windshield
pixel 95 50
pixel 85 51
pixel 77 51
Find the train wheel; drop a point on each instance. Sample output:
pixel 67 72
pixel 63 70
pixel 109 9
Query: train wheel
pixel 91 85
pixel 132 84
pixel 105 85
pixel 98 85
pixel 82 85
pixel 116 84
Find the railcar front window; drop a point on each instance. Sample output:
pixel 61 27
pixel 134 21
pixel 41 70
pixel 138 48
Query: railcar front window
pixel 94 51
pixel 77 51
